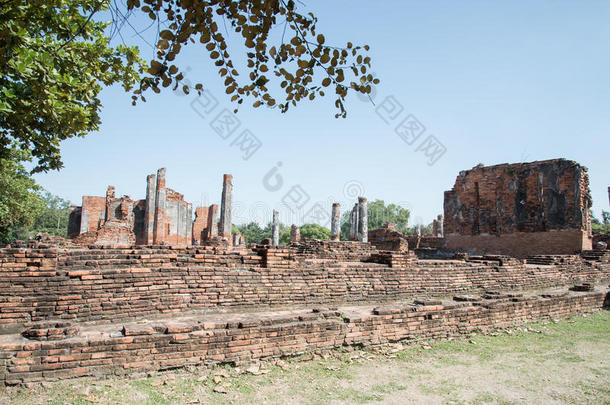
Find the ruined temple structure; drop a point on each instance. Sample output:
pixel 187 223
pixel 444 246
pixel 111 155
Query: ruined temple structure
pixel 520 209
pixel 163 218
pixel 135 296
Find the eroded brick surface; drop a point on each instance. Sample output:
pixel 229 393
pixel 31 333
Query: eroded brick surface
pixel 239 338
pixel 520 209
pixel 162 218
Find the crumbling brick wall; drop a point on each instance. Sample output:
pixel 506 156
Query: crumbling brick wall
pixel 162 218
pixel 520 209
pixel 205 226
pixel 388 238
pixel 98 284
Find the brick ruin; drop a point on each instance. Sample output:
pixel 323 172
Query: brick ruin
pixel 162 218
pixel 520 209
pixel 137 295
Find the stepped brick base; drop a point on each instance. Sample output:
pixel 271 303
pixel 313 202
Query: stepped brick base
pixel 113 349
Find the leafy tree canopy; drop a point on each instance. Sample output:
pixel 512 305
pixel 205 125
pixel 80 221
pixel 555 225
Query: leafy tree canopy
pixel 55 57
pixel 301 61
pixel 20 203
pixel 602 226
pixel 315 231
pixel 54 60
pixel 253 233
pixel 378 215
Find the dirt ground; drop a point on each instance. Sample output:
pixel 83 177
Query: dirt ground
pixel 543 363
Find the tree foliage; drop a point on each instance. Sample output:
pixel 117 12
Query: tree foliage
pixel 378 215
pixel 602 226
pixel 315 231
pixel 20 202
pixel 53 218
pixel 309 231
pixel 54 59
pixel 253 233
pixel 56 56
pixel 301 61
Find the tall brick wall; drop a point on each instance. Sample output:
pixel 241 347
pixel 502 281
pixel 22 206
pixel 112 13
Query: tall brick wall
pixel 205 226
pixel 520 209
pixel 93 213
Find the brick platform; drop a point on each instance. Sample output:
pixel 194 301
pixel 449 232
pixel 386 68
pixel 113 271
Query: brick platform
pixel 114 349
pixel 73 312
pixel 88 285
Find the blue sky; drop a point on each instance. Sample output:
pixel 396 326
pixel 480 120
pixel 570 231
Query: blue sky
pixel 493 82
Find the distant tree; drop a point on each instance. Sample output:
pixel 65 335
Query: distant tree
pixel 284 235
pixel 602 226
pixel 53 218
pixel 252 232
pixel 283 229
pixel 426 230
pixel 315 231
pixel 20 203
pixel 378 215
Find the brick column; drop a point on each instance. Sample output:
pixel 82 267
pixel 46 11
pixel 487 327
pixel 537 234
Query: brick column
pixel 84 217
pixel 353 223
pixel 363 220
pixel 161 193
pixel 335 222
pixel 212 221
pixel 275 229
pixel 441 231
pixel 109 198
pixel 295 234
pixel 149 213
pixel 225 207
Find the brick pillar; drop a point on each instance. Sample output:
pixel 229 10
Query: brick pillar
pixel 295 234
pixel 335 222
pixel 200 223
pixel 353 223
pixel 363 220
pixel 441 232
pixel 161 193
pixel 149 213
pixel 237 239
pixel 212 221
pixel 84 217
pixel 275 229
pixel 189 223
pixel 109 198
pixel 225 207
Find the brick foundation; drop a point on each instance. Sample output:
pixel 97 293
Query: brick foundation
pixel 72 302
pixel 522 244
pixel 96 284
pixel 200 339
